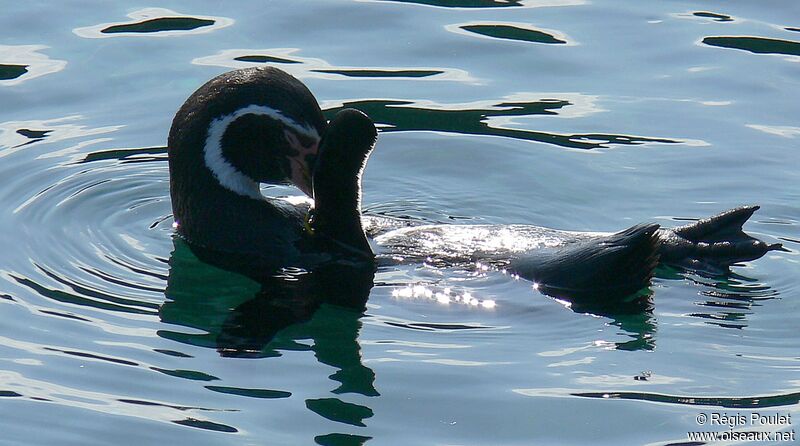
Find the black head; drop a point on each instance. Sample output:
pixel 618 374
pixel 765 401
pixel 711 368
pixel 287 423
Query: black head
pixel 250 126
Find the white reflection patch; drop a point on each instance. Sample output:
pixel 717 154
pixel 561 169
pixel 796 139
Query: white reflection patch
pixel 36 64
pixel 777 130
pixel 445 296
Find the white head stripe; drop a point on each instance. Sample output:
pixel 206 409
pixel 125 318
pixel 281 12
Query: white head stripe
pixel 227 175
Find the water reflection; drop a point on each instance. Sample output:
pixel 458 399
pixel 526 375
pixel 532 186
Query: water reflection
pixel 381 73
pixel 464 3
pixel 309 67
pixel 633 315
pixel 341 440
pixel 758 45
pixel 728 298
pixel 243 311
pixel 491 3
pixel 73 397
pixel 155 22
pixel 399 115
pixel 744 402
pixel 784 131
pixel 84 296
pixel 21 63
pixel 521 32
pixel 160 24
pixel 133 155
pixel 714 16
pixel 16 135
pixel 337 410
pixel 12 71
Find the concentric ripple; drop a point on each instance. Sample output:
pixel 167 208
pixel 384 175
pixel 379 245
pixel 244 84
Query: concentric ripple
pixel 99 230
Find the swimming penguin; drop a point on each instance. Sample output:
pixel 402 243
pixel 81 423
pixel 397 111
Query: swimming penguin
pixel 261 125
pixel 576 264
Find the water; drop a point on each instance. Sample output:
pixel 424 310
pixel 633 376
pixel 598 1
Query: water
pixel 558 113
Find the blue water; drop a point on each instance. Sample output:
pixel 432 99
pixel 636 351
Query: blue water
pixel 560 113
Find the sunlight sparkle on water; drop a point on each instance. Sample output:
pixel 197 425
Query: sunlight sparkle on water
pixel 446 296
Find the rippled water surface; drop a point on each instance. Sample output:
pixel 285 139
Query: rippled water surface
pixel 562 113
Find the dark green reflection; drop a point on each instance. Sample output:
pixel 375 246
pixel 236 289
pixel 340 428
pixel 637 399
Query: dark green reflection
pixel 715 16
pixel 335 409
pixel 252 393
pixel 192 375
pixel 400 116
pixel 463 3
pixel 12 71
pixel 205 424
pixel 510 32
pixel 158 404
pixel 264 59
pixel 341 440
pixel 738 403
pixel 33 134
pixel 9 394
pixel 244 311
pixel 138 154
pixel 172 353
pixel 759 45
pixel 159 24
pixel 639 324
pixel 190 422
pixel 381 73
pixel 633 314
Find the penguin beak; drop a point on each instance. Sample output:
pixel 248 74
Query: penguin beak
pixel 302 163
pixel 301 175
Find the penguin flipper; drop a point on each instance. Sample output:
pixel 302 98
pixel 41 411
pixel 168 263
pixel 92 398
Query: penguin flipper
pixel 713 244
pixel 613 267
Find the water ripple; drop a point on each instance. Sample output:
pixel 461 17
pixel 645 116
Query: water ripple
pixel 103 402
pixel 96 236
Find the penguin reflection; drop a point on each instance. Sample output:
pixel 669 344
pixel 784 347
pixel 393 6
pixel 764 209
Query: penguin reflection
pixel 247 314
